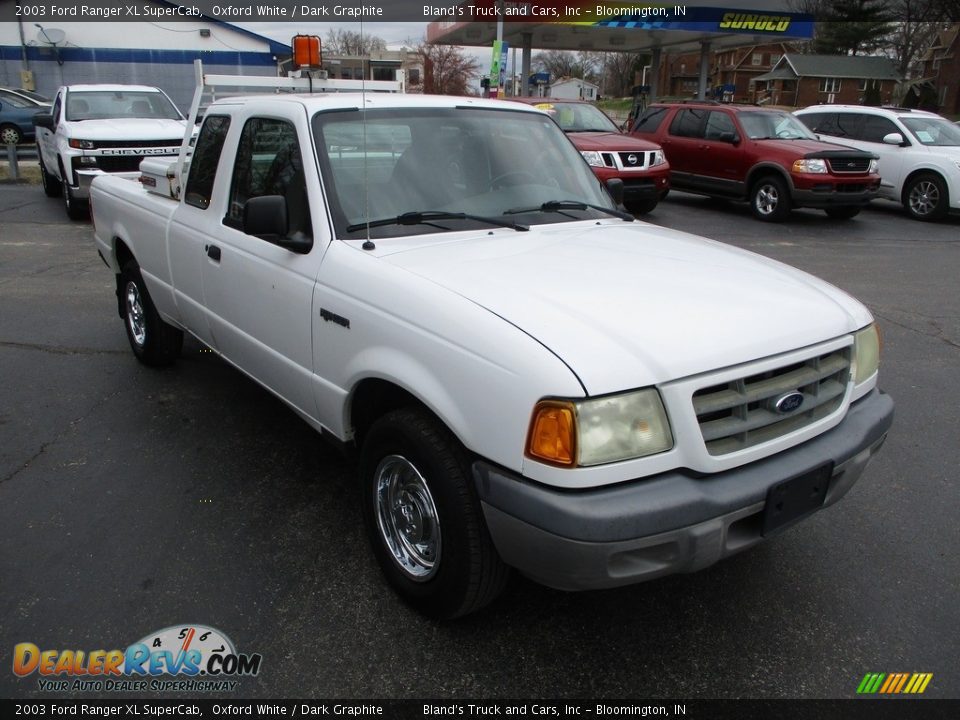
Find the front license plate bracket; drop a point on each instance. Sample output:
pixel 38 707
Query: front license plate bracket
pixel 794 499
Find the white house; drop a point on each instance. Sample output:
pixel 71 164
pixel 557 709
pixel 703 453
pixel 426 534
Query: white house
pixel 574 89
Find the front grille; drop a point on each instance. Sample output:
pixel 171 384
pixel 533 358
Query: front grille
pixel 175 142
pixel 631 160
pixel 119 163
pixel 741 413
pixel 849 165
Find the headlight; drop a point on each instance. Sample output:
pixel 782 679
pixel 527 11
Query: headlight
pixel 592 157
pixel 866 353
pixel 599 430
pixel 658 158
pixel 83 144
pixel 874 166
pixel 810 166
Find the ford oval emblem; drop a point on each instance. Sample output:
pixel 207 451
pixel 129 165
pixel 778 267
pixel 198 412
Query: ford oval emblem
pixel 789 402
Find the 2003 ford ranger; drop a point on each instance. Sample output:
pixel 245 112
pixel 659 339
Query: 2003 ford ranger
pixel 531 378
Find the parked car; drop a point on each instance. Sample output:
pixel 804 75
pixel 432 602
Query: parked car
pixel 611 154
pixel 919 152
pixel 765 156
pixel 16 120
pixel 27 96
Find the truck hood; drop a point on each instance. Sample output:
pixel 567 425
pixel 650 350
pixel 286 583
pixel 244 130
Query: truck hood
pixel 626 305
pixel 115 129
pixel 610 142
pixel 808 148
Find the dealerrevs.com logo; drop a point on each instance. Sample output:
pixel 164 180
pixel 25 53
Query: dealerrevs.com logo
pixel 190 658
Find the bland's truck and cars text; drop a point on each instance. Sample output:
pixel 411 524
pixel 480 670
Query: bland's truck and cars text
pixel 529 377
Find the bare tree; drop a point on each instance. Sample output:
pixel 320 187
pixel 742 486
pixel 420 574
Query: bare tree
pixel 566 63
pixel 352 44
pixel 621 70
pixel 447 70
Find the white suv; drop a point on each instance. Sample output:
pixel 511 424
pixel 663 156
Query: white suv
pixel 919 152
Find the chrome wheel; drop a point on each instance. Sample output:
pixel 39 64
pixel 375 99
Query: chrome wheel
pixel 924 198
pixel 767 199
pixel 407 517
pixel 136 319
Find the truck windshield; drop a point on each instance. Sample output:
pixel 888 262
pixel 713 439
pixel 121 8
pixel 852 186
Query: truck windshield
pixel 578 117
pixel 103 104
pixel 461 161
pixel 933 131
pixel 770 125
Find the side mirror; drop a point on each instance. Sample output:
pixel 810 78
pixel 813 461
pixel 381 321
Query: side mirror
pixel 43 119
pixel 729 137
pixel 615 188
pixel 893 139
pixel 265 217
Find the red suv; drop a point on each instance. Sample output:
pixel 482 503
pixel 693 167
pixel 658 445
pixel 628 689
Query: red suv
pixel 611 154
pixel 765 156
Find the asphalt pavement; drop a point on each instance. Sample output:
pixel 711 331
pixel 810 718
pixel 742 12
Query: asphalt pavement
pixel 134 499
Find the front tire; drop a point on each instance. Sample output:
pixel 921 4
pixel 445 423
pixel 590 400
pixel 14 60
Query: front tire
pixel 51 185
pixel 76 209
pixel 640 207
pixel 770 199
pixel 926 197
pixel 153 341
pixel 845 212
pixel 423 516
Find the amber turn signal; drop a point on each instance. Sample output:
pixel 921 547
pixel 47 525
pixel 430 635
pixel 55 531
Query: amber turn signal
pixel 553 433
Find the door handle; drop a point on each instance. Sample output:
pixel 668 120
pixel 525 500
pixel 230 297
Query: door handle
pixel 213 252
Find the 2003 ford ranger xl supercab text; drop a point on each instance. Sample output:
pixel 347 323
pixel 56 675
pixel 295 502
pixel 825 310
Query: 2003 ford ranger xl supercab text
pixel 531 378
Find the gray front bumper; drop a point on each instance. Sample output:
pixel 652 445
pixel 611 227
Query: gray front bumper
pixel 667 523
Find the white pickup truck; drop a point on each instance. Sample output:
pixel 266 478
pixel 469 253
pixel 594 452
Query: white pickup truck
pixel 531 378
pixel 97 129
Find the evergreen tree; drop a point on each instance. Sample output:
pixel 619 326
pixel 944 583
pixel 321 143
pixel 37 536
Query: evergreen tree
pixel 853 27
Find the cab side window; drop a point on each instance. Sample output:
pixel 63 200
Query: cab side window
pixel 269 162
pixel 875 128
pixel 688 123
pixel 206 156
pixel 57 105
pixel 720 127
pixel 650 120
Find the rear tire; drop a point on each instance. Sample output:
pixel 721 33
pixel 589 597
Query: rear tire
pixel 845 212
pixel 423 516
pixel 10 135
pixel 153 341
pixel 770 199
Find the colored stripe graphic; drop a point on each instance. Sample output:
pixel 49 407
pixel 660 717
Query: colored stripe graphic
pixel 894 683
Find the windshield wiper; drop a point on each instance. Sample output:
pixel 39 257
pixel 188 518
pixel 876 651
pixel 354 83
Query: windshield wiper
pixel 558 206
pixel 427 216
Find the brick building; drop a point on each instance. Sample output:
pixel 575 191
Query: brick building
pixel 801 80
pixel 941 71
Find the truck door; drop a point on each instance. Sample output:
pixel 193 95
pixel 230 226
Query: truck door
pixel 193 223
pixel 258 290
pixel 47 140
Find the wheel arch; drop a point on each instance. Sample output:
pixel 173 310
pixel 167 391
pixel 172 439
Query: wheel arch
pixel 922 171
pixel 373 397
pixel 761 170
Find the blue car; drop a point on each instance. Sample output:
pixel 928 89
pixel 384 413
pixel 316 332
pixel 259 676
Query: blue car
pixel 16 119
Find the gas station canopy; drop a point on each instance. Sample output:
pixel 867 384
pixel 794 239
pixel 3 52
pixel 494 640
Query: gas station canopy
pixel 616 27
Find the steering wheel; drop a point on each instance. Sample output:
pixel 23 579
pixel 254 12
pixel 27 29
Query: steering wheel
pixel 517 175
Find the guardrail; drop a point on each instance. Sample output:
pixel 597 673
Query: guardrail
pixel 14 154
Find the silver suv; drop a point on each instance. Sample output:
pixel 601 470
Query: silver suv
pixel 919 152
